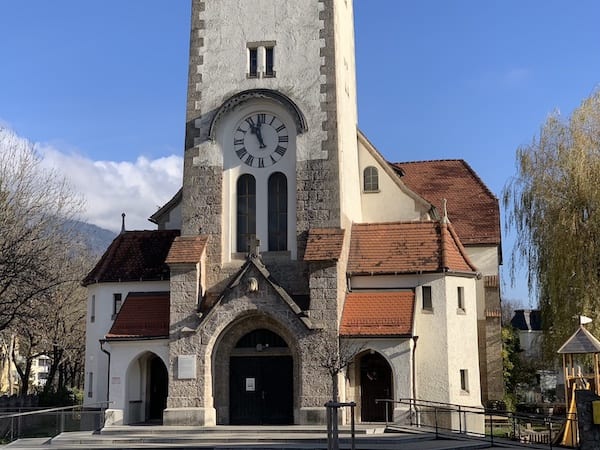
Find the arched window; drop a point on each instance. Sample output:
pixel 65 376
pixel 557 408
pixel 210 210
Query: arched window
pixel 371 180
pixel 246 212
pixel 278 212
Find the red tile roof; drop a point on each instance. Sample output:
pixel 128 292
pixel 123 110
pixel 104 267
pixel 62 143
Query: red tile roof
pixel 186 249
pixel 472 207
pixel 134 256
pixel 142 315
pixel 378 314
pixel 406 247
pixel 324 244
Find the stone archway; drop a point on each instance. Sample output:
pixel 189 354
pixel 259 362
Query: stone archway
pixel 375 383
pixel 255 363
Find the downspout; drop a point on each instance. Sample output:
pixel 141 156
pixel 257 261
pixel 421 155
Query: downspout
pixel 102 342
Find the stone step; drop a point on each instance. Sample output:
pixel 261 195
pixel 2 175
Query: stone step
pixel 251 438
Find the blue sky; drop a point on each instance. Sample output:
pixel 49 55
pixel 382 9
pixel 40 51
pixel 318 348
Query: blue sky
pixel 101 85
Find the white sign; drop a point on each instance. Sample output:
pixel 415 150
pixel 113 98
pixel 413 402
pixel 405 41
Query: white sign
pixel 186 367
pixel 115 380
pixel 250 384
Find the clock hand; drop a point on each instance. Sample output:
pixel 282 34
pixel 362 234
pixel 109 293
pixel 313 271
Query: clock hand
pixel 259 136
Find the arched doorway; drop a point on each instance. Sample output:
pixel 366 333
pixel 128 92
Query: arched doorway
pixel 375 383
pixel 158 387
pixel 147 389
pixel 261 380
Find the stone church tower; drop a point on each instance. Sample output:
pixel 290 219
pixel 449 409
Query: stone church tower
pixel 271 152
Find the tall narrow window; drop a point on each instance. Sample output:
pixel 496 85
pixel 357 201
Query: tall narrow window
pixel 90 387
pixel 246 212
pixel 464 380
pixel 277 212
pixel 253 62
pixel 269 61
pixel 93 309
pixel 426 294
pixel 117 301
pixel 371 180
pixel 460 292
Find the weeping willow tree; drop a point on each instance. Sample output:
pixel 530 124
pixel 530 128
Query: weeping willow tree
pixel 553 207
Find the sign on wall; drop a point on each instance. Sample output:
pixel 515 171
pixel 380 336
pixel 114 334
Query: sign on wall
pixel 186 367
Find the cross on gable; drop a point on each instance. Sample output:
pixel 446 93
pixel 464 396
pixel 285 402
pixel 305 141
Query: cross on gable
pixel 253 245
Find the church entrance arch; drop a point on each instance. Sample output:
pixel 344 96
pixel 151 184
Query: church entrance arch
pixel 261 380
pixel 375 383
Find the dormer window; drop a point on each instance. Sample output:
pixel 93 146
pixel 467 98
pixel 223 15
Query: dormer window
pixel 370 180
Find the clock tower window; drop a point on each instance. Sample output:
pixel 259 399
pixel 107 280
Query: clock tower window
pixel 261 59
pixel 246 211
pixel 278 212
pixel 253 62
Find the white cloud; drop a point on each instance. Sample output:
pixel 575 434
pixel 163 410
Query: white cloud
pixel 110 188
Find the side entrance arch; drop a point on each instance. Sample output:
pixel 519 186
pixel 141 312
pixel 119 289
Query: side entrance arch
pixel 261 380
pixel 375 383
pixel 147 389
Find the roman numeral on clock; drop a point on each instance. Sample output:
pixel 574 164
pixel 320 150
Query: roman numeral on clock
pixel 261 162
pixel 262 118
pixel 280 128
pixel 241 152
pixel 283 138
pixel 238 142
pixel 249 160
pixel 280 150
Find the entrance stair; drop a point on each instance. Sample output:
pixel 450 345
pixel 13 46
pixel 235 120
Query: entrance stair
pixel 297 437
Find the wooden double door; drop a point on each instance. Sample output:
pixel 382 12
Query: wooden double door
pixel 261 390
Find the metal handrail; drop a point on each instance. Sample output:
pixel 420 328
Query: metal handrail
pixel 515 420
pixel 49 410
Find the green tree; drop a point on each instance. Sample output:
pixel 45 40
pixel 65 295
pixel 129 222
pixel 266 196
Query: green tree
pixel 553 206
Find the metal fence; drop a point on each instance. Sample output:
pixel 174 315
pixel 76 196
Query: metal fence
pixel 479 423
pixel 18 423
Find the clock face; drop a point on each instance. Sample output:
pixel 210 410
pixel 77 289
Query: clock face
pixel 260 140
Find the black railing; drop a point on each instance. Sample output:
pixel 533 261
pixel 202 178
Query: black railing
pixel 479 423
pixel 18 423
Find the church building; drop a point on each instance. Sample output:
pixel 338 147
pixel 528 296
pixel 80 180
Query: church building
pixel 291 241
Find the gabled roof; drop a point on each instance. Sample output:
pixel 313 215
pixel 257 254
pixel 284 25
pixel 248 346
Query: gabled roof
pixel 378 314
pixel 186 249
pixel 255 262
pixel 143 315
pixel 324 244
pixel 472 207
pixel 406 247
pixel 527 320
pixel 134 256
pixel 582 341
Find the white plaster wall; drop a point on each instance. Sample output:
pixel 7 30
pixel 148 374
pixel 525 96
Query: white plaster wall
pixel 391 281
pixel 485 258
pixel 531 343
pixel 463 349
pixel 431 327
pixel 234 168
pixel 95 360
pixel 174 222
pixel 390 204
pixel 125 355
pixel 347 116
pixel 294 26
